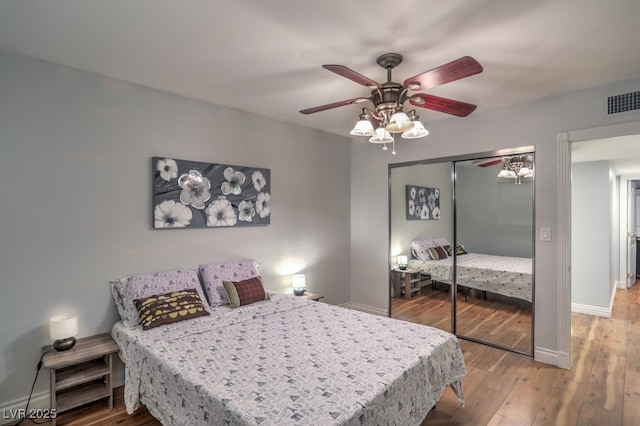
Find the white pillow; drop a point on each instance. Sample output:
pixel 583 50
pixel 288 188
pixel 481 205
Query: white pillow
pixel 213 275
pixel 420 248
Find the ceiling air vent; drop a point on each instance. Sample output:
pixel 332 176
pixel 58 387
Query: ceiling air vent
pixel 623 103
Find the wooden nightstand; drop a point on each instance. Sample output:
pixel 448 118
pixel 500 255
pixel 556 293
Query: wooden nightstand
pixel 406 281
pixel 312 296
pixel 82 374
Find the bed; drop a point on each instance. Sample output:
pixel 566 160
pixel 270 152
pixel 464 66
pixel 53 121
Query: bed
pixel 287 360
pixel 504 275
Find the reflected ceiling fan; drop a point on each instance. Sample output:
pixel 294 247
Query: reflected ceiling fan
pixel 388 99
pixel 513 166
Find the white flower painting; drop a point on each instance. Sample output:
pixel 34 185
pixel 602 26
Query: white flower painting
pixel 423 203
pixel 193 194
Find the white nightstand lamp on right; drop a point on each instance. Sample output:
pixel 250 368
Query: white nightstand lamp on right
pixel 299 284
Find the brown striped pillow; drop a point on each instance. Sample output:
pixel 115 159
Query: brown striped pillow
pixel 170 307
pixel 437 253
pixel 245 292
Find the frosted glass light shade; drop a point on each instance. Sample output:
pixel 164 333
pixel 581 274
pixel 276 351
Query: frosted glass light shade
pixel 418 131
pixel 402 262
pixel 510 174
pixel 363 128
pixel 399 122
pixel 299 284
pixel 524 171
pixel 63 326
pixel 381 136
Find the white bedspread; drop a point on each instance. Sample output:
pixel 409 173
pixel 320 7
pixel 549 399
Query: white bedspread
pixel 289 361
pixel 509 276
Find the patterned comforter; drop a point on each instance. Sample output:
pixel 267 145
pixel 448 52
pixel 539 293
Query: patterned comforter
pixel 288 361
pixel 509 276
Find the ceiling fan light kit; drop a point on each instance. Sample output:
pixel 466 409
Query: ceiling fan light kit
pixel 388 99
pixel 516 167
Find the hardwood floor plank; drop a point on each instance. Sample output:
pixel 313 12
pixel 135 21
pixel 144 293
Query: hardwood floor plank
pixel 606 383
pixel 631 409
pixel 527 396
pixel 562 405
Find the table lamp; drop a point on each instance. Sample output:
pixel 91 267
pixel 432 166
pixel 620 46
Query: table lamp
pixel 298 282
pixel 62 328
pixel 402 262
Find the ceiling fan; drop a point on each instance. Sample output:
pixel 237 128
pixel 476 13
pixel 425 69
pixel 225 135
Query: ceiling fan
pixel 513 166
pixel 388 98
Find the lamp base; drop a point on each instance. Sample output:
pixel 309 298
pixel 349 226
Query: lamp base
pixel 298 291
pixel 64 344
pixel 402 268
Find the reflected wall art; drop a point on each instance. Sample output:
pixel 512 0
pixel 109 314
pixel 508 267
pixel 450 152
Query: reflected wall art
pixel 193 194
pixel 423 203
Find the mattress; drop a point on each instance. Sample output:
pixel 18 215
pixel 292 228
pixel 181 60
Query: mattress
pixel 288 361
pixel 508 276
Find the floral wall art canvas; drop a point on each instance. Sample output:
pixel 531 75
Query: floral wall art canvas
pixel 193 194
pixel 423 203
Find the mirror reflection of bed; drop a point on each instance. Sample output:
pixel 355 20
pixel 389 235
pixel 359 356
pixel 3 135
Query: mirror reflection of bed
pixel 493 225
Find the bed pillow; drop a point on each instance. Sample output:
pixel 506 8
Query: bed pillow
pixel 420 248
pixel 245 292
pixel 144 285
pixel 170 307
pixel 437 253
pixel 214 274
pixel 459 250
pixel 116 286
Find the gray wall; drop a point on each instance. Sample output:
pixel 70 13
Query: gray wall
pixel 536 124
pixel 403 231
pixel 495 216
pixel 75 184
pixel 591 201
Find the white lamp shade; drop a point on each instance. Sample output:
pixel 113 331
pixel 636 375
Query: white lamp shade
pixel 363 128
pixel 63 326
pixel 382 136
pixel 418 131
pixel 298 281
pixel 524 171
pixel 399 122
pixel 402 260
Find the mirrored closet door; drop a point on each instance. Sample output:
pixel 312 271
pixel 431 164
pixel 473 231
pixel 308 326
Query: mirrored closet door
pixel 465 225
pixel 494 201
pixel 421 207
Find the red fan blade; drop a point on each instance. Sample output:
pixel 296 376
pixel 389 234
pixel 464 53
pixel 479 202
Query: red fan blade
pixel 436 103
pixel 454 70
pixel 487 162
pixel 351 75
pixel 333 105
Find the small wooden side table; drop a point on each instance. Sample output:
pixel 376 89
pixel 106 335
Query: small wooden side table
pixel 82 374
pixel 312 296
pixel 407 281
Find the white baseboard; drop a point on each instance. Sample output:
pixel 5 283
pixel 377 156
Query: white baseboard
pixel 591 310
pixel 40 400
pixel 621 284
pixel 367 309
pixel 9 409
pixel 547 356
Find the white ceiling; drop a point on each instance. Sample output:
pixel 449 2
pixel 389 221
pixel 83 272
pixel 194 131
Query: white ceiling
pixel 266 56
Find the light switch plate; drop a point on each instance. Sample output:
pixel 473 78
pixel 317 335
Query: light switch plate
pixel 545 234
